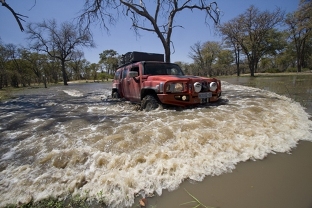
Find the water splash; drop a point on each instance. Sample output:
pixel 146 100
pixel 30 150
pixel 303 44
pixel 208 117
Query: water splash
pixel 110 148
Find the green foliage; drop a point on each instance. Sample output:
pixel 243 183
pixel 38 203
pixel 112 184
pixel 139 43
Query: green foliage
pixel 306 70
pixel 254 34
pixel 104 76
pixel 76 201
pixel 291 69
pixel 272 70
pixel 109 58
pixel 205 56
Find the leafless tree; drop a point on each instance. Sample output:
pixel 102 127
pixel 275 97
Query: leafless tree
pixel 59 43
pixel 159 15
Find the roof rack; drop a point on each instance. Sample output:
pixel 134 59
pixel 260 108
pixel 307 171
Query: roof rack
pixel 135 56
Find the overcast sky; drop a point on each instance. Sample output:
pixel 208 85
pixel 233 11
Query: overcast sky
pixel 120 37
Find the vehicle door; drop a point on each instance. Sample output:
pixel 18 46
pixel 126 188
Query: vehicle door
pixel 124 84
pixel 134 84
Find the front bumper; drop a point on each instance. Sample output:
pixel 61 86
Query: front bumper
pixel 187 99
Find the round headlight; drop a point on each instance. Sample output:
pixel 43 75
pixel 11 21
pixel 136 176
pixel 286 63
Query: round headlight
pixel 213 86
pixel 197 86
pixel 178 87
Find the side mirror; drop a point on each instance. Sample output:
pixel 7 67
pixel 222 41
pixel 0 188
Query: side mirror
pixel 133 74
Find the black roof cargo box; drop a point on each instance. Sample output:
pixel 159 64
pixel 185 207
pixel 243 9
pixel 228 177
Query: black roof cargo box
pixel 135 56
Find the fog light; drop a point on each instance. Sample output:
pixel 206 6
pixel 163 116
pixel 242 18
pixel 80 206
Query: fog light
pixel 183 97
pixel 197 86
pixel 213 86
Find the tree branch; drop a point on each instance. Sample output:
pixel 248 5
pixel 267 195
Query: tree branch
pixel 17 16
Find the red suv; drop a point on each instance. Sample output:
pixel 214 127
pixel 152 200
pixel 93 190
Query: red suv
pixel 146 79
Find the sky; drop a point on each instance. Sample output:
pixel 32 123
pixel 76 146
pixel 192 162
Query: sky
pixel 121 37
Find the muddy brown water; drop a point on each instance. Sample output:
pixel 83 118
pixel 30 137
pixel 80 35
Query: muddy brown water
pixel 279 180
pixel 253 149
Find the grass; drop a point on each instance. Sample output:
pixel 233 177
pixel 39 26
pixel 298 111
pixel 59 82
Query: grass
pixel 6 93
pixel 79 201
pixel 196 201
pixel 76 201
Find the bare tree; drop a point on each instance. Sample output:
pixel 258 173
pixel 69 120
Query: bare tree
pixel 300 29
pixel 250 32
pixel 59 43
pixel 17 16
pixel 159 16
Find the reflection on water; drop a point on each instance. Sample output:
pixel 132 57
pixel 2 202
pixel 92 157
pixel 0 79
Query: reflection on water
pixel 297 87
pixel 72 139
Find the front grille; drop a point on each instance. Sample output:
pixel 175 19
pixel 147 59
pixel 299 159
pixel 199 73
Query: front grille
pixel 205 87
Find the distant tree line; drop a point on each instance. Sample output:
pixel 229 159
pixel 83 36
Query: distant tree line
pixel 258 41
pixel 22 67
pixel 54 55
pixel 254 41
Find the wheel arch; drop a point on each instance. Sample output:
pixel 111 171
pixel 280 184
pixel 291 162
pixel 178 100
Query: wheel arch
pixel 148 91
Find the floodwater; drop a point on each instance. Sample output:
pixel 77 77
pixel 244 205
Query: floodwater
pixel 75 140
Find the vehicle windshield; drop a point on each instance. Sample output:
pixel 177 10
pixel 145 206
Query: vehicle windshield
pixel 162 69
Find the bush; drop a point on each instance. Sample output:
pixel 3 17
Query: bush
pixel 291 69
pixel 294 69
pixel 305 70
pixel 272 70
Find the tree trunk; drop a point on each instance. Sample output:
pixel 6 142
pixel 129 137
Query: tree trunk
pixel 167 53
pixel 299 64
pixel 64 72
pixel 237 61
pixel 252 68
pixel 1 81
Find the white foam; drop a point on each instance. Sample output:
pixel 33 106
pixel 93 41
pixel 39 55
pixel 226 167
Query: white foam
pixel 73 93
pixel 35 120
pixel 8 155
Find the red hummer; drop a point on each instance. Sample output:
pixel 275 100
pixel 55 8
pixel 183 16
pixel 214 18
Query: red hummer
pixel 146 79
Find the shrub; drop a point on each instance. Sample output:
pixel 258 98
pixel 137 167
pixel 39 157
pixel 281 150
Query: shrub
pixel 272 70
pixel 291 69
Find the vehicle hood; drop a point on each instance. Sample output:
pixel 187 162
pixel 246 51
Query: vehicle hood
pixel 165 78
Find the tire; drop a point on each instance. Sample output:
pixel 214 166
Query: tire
pixel 149 102
pixel 115 94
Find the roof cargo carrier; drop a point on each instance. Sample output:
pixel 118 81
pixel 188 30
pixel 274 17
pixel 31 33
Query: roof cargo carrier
pixel 132 57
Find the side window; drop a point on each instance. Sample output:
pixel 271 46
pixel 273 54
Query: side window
pixel 174 71
pixel 124 73
pixel 117 75
pixel 135 69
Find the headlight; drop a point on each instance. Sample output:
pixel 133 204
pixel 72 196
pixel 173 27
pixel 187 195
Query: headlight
pixel 197 86
pixel 175 87
pixel 213 86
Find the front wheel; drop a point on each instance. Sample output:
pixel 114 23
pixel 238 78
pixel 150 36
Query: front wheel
pixel 115 94
pixel 149 103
